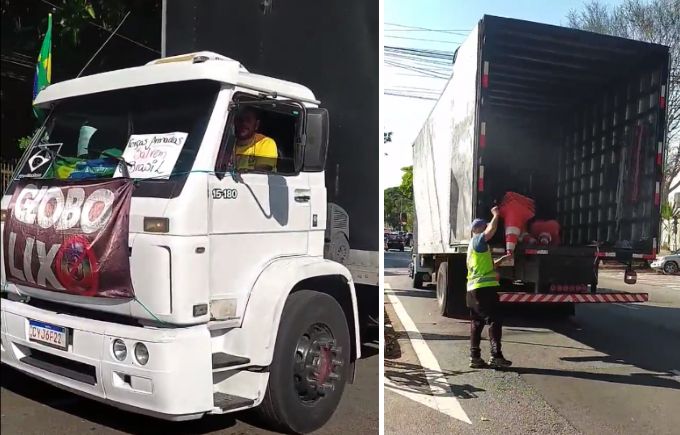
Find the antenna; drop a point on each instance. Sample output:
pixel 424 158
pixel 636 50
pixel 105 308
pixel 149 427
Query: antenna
pixel 104 44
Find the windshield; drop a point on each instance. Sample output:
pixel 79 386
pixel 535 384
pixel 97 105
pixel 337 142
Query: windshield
pixel 88 135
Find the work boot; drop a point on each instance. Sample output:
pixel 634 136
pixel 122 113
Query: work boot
pixel 478 363
pixel 499 362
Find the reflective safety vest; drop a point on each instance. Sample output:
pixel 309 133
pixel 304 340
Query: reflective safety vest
pixel 481 272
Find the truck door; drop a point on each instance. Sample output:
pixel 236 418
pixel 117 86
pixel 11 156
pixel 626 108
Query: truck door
pixel 255 217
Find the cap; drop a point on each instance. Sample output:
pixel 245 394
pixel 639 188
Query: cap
pixel 477 223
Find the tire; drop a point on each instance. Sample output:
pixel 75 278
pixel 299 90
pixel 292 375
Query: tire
pixel 442 290
pixel 294 405
pixel 670 268
pixel 418 280
pixel 401 249
pixel 451 288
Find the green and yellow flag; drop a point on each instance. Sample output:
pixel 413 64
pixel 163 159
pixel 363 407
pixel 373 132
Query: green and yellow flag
pixel 43 69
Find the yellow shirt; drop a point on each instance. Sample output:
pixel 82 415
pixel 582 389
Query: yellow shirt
pixel 260 151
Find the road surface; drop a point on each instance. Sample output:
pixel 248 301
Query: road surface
pixel 611 369
pixel 32 407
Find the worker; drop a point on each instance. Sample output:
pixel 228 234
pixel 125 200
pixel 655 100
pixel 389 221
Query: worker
pixel 253 151
pixel 482 293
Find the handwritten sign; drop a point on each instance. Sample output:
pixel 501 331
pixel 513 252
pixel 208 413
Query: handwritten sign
pixel 153 155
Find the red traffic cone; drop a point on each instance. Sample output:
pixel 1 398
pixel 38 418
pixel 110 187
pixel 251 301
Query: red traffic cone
pixel 546 232
pixel 516 210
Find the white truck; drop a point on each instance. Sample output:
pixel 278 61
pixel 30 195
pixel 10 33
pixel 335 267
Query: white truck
pixel 234 304
pixel 575 121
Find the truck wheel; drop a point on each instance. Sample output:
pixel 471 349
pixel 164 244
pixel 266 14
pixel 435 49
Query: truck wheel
pixel 450 293
pixel 442 296
pixel 310 364
pixel 418 280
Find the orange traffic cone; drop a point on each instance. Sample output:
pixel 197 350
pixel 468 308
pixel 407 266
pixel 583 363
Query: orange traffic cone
pixel 516 210
pixel 546 232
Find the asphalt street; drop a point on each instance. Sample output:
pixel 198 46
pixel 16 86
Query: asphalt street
pixel 611 369
pixel 31 407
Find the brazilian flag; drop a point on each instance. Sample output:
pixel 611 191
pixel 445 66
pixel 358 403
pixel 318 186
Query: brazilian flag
pixel 43 69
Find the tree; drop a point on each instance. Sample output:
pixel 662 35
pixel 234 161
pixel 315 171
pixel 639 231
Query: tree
pixel 398 202
pixel 670 214
pixel 406 186
pixel 80 28
pixel 656 21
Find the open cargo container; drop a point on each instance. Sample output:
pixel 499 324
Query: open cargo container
pixel 572 119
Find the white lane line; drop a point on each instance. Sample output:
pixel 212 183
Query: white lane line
pixel 423 399
pixel 443 398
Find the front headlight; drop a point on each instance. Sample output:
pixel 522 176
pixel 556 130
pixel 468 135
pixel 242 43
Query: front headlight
pixel 141 353
pixel 119 349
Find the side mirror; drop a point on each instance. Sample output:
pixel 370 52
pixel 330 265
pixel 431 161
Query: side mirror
pixel 316 140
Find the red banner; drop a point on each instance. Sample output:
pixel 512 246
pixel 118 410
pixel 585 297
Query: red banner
pixel 70 237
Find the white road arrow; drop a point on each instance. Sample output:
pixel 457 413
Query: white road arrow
pixel 441 399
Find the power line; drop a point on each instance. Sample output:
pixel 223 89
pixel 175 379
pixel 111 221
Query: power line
pixel 427 29
pixel 418 97
pixel 422 39
pixel 423 71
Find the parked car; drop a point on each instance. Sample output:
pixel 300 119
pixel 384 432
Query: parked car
pixel 395 241
pixel 669 264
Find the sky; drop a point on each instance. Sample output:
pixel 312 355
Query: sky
pixel 452 20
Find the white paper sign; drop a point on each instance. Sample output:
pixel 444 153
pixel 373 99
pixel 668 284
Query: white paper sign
pixel 153 155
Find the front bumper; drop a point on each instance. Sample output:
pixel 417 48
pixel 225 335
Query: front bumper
pixel 175 384
pixel 656 265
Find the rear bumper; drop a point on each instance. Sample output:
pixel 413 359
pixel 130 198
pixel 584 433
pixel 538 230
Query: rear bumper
pixel 175 384
pixel 619 298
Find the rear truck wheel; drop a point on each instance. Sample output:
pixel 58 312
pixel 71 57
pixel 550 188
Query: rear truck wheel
pixel 310 365
pixel 451 287
pixel 418 280
pixel 670 267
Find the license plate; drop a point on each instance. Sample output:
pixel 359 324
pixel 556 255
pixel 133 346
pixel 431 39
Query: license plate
pixel 51 335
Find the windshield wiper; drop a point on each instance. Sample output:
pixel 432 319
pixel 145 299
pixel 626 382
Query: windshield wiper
pixel 121 159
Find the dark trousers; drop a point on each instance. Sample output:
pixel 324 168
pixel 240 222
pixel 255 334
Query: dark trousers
pixel 484 309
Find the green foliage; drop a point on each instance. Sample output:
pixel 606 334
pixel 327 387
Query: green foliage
pixel 80 27
pixel 670 215
pixel 406 187
pixel 24 142
pixel 398 203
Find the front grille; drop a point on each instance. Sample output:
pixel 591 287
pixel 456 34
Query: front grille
pixel 75 370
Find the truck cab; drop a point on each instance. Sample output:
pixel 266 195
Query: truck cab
pixel 234 303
